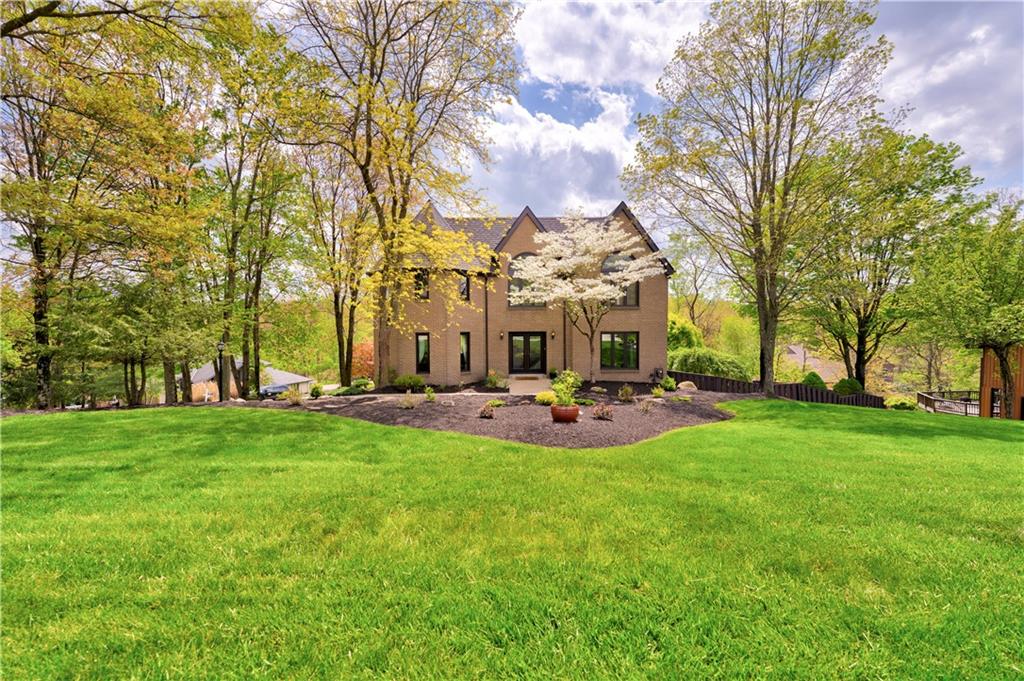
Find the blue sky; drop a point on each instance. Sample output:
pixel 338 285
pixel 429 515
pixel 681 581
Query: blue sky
pixel 590 68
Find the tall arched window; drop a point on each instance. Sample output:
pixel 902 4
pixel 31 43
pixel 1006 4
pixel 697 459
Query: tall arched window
pixel 516 283
pixel 614 263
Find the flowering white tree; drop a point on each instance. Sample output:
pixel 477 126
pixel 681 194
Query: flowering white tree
pixel 569 270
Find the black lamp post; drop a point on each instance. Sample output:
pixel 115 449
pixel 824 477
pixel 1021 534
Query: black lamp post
pixel 220 363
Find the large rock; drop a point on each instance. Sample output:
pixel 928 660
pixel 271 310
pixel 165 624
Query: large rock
pixel 687 385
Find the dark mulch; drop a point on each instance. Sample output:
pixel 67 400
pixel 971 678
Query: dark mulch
pixel 523 421
pixel 479 387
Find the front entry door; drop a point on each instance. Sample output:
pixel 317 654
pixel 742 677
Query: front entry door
pixel 527 353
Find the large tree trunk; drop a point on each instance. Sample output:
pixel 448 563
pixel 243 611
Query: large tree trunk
pixel 339 332
pixel 186 382
pixel 170 385
pixel 860 358
pixel 1008 398
pixel 133 385
pixel 350 342
pixel 257 364
pixel 768 324
pixel 142 384
pixel 41 336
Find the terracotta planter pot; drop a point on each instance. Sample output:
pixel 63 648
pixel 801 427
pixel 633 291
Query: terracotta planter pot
pixel 564 414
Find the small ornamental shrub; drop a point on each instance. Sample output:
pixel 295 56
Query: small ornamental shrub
pixel 708 362
pixel 495 380
pixel 668 384
pixel 552 373
pixel 316 391
pixel 546 397
pixel 681 398
pixel 603 412
pixel 486 411
pixel 598 390
pixel 428 394
pixel 657 391
pixel 645 406
pixel 585 402
pixel 626 393
pixel 848 386
pixel 494 404
pixel 900 403
pixel 292 396
pixel 569 378
pixel 814 380
pixel 362 382
pixel 564 394
pixel 409 382
pixel 407 401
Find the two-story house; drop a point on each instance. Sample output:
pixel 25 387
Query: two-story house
pixel 452 344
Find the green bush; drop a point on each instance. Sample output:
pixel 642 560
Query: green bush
pixel 428 394
pixel 585 402
pixel 657 391
pixel 814 380
pixel 683 334
pixel 708 362
pixel 900 403
pixel 565 396
pixel 626 393
pixel 569 378
pixel 552 373
pixel 848 386
pixel 495 403
pixel 316 391
pixel 409 382
pixel 668 384
pixel 495 380
pixel 545 397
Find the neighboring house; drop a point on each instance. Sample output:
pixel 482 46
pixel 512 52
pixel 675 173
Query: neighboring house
pixel 991 383
pixel 204 382
pixel 452 344
pixel 829 370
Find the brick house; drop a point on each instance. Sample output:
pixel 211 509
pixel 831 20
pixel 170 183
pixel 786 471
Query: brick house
pixel 452 344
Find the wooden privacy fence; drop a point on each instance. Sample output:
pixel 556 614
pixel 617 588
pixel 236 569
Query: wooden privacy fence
pixel 792 391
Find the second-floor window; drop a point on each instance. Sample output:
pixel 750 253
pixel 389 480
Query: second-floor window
pixel 631 297
pixel 464 287
pixel 517 283
pixel 423 284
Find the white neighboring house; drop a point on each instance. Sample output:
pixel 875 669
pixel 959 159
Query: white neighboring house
pixel 204 383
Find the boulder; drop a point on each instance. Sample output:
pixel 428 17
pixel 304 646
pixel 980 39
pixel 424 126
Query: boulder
pixel 687 385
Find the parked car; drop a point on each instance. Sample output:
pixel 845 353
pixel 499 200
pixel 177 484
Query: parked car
pixel 272 391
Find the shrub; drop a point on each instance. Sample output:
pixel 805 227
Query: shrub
pixel 569 378
pixel 708 362
pixel 814 380
pixel 645 406
pixel 546 397
pixel 486 411
pixel 407 401
pixel 683 334
pixel 362 360
pixel 668 384
pixel 292 396
pixel 408 382
pixel 658 391
pixel 598 390
pixel 552 373
pixel 848 386
pixel 316 391
pixel 900 403
pixel 428 394
pixel 494 404
pixel 564 396
pixel 603 412
pixel 495 380
pixel 681 398
pixel 626 393
pixel 585 402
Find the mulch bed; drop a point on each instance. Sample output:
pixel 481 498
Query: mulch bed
pixel 523 421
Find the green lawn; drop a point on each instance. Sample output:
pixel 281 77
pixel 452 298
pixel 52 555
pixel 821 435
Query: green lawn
pixel 793 541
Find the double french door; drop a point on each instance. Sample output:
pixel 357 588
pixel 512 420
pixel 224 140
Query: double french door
pixel 527 352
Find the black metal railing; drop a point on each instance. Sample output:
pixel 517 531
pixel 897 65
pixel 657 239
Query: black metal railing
pixel 961 402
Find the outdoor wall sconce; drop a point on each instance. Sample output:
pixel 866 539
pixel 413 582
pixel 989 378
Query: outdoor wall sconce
pixel 501 335
pixel 552 335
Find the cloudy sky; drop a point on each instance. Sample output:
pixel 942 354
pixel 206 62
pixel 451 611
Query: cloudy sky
pixel 589 69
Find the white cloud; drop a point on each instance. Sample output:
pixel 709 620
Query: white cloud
pixel 553 165
pixel 603 44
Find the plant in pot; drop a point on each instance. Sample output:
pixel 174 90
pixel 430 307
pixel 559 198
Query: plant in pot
pixel 565 409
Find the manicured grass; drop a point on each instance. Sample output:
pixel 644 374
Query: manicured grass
pixel 793 541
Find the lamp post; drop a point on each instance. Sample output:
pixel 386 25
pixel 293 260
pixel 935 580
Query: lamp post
pixel 220 363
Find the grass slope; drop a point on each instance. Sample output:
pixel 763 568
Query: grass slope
pixel 793 541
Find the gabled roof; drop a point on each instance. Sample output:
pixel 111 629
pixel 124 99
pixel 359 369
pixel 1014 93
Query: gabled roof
pixel 495 232
pixel 274 376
